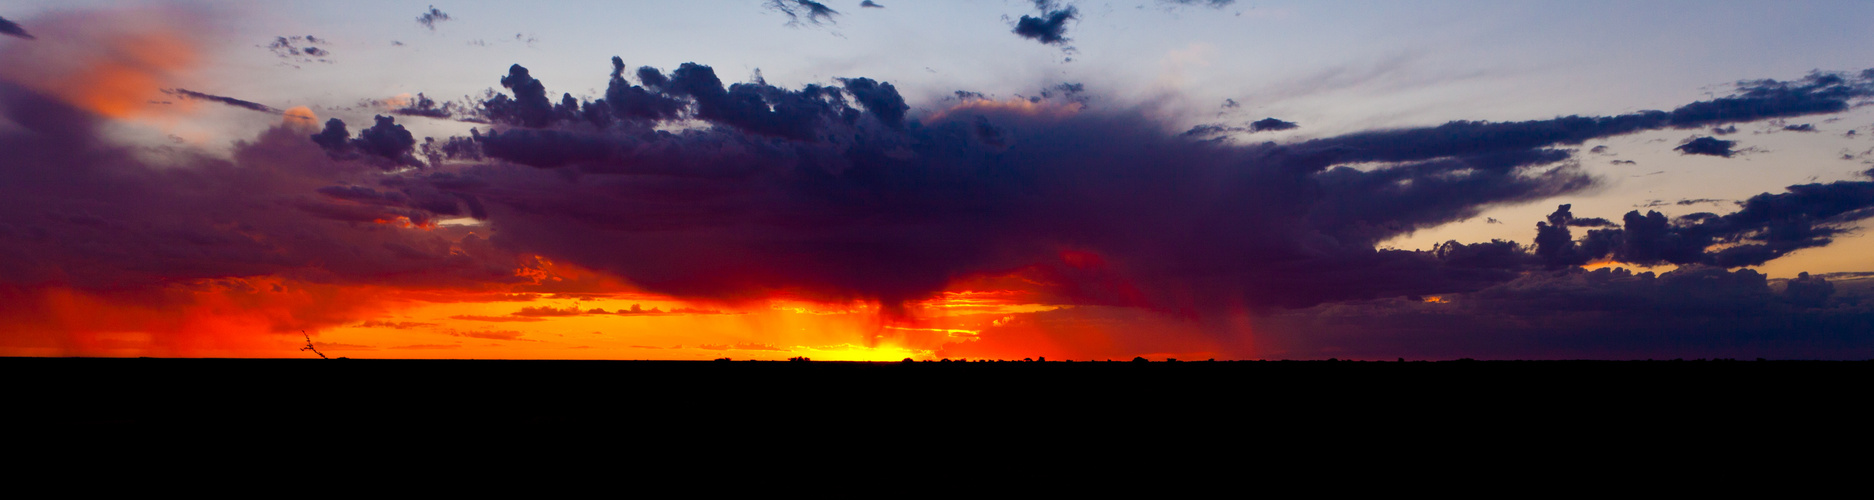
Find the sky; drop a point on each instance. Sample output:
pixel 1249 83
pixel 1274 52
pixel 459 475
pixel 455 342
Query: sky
pixel 937 180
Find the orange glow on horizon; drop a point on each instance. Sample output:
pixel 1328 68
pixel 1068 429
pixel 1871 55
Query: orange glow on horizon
pixel 559 311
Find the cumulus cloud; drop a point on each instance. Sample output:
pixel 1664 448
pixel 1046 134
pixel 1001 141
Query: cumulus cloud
pixel 1050 27
pixel 385 143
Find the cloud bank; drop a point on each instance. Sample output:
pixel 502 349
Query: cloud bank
pixel 686 186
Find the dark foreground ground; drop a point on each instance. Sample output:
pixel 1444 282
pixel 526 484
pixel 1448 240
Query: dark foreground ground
pixel 1318 425
pixel 758 399
pixel 1411 425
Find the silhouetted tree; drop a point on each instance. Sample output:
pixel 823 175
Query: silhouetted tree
pixel 309 346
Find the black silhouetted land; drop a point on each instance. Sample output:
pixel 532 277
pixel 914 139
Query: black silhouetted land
pixel 707 398
pixel 1101 423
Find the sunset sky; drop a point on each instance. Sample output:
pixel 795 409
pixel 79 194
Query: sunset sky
pixel 964 180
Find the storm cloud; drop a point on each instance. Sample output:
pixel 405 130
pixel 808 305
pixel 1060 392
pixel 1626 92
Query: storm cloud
pixel 686 186
pixel 821 191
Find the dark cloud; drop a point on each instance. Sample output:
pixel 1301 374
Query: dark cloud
pixel 879 99
pixel 1210 131
pixel 1608 313
pixel 684 186
pixel 754 107
pixel 1623 162
pixel 1271 124
pixel 869 4
pixel 1599 150
pixel 1214 130
pixel 1759 99
pixel 1806 127
pixel 624 101
pixel 14 29
pixel 299 49
pixel 1726 130
pixel 529 107
pixel 1808 291
pixel 1682 202
pixel 1766 226
pixel 385 143
pixel 433 16
pixel 1591 222
pixel 803 12
pixel 190 94
pixel 1709 146
pixel 85 216
pixel 1050 27
pixel 1073 92
pixel 791 190
pixel 425 107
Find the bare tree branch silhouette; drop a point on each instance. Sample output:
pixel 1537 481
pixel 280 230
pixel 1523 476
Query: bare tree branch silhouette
pixel 309 346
